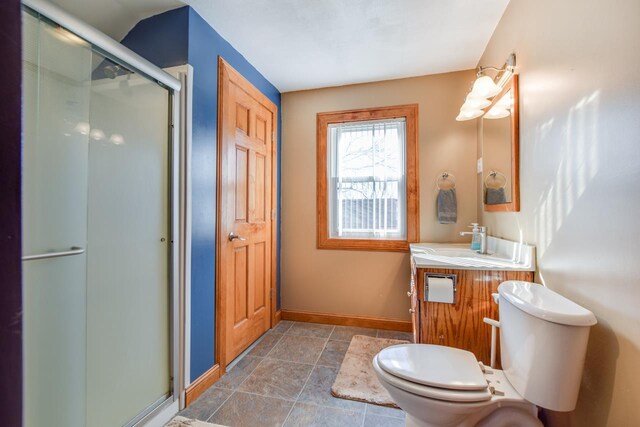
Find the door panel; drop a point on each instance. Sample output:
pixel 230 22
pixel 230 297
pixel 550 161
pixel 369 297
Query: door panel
pixel 240 283
pixel 242 119
pixel 259 297
pixel 241 196
pixel 261 129
pixel 246 156
pixel 259 210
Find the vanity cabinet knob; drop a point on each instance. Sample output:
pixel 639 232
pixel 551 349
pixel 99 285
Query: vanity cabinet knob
pixel 411 310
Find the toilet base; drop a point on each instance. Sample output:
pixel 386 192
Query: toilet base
pixel 501 417
pixel 506 409
pixel 412 422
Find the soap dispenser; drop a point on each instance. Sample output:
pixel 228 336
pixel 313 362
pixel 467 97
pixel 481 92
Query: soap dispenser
pixel 475 238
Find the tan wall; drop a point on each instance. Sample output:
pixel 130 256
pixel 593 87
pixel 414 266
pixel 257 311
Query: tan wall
pixel 580 179
pixel 362 282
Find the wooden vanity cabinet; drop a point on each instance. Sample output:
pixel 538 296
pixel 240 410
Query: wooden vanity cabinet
pixel 460 325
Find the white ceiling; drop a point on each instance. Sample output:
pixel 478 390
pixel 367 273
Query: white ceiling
pixel 305 44
pixel 116 17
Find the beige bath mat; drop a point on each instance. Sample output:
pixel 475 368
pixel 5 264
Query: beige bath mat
pixel 186 422
pixel 356 379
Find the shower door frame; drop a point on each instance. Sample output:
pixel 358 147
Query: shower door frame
pixel 166 406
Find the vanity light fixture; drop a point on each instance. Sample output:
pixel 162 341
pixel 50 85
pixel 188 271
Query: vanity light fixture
pixel 486 87
pixel 475 103
pixel 506 101
pixel 469 115
pixel 497 112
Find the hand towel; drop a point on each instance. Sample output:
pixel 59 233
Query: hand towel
pixel 447 206
pixel 495 196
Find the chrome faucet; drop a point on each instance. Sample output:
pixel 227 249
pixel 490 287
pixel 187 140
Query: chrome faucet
pixel 482 232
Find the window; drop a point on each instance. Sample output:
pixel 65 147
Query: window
pixel 367 179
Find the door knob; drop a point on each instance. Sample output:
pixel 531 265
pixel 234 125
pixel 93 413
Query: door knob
pixel 411 310
pixel 409 294
pixel 233 236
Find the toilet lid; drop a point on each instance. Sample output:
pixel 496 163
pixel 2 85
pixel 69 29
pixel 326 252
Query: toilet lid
pixel 433 365
pixel 458 396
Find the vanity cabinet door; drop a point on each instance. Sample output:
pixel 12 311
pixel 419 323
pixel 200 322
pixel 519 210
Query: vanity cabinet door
pixel 461 324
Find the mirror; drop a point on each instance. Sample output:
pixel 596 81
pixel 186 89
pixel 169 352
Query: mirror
pixel 500 145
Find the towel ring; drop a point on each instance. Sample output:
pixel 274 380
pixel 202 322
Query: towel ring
pixel 495 180
pixel 444 178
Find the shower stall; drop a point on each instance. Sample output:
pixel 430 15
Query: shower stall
pixel 100 227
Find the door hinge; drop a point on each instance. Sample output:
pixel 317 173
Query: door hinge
pixel 273 214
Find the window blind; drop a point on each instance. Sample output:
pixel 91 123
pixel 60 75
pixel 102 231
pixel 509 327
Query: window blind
pixel 367 179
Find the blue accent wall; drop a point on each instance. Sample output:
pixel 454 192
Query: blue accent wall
pixel 174 38
pixel 162 39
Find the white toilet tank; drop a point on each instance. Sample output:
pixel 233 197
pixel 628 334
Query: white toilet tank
pixel 543 342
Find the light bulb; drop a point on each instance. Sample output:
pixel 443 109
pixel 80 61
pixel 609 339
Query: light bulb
pixel 496 113
pixel 484 87
pixel 469 115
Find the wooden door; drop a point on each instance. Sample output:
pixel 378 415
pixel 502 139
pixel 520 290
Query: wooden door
pixel 245 193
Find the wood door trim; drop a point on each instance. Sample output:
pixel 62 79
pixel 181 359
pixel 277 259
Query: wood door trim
pixel 514 205
pixel 246 85
pixel 201 384
pixel 274 215
pixel 323 120
pixel 348 320
pixel 227 73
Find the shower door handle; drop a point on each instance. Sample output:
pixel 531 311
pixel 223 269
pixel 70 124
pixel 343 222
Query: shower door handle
pixel 74 250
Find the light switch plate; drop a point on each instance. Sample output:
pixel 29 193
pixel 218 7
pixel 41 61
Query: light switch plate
pixel 479 166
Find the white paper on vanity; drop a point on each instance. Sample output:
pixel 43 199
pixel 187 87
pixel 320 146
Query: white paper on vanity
pixel 440 290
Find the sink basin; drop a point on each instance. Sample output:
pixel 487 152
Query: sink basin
pixel 465 258
pixel 459 256
pixel 455 252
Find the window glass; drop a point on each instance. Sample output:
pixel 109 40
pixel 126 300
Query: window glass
pixel 367 179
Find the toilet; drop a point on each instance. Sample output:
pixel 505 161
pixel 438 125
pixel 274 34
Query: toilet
pixel 543 339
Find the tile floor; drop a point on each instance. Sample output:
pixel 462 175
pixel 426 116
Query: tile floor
pixel 286 379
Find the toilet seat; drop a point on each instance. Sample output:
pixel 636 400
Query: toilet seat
pixel 433 371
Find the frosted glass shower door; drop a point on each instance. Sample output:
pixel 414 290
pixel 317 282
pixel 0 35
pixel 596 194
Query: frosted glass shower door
pixel 128 324
pixel 96 187
pixel 55 174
